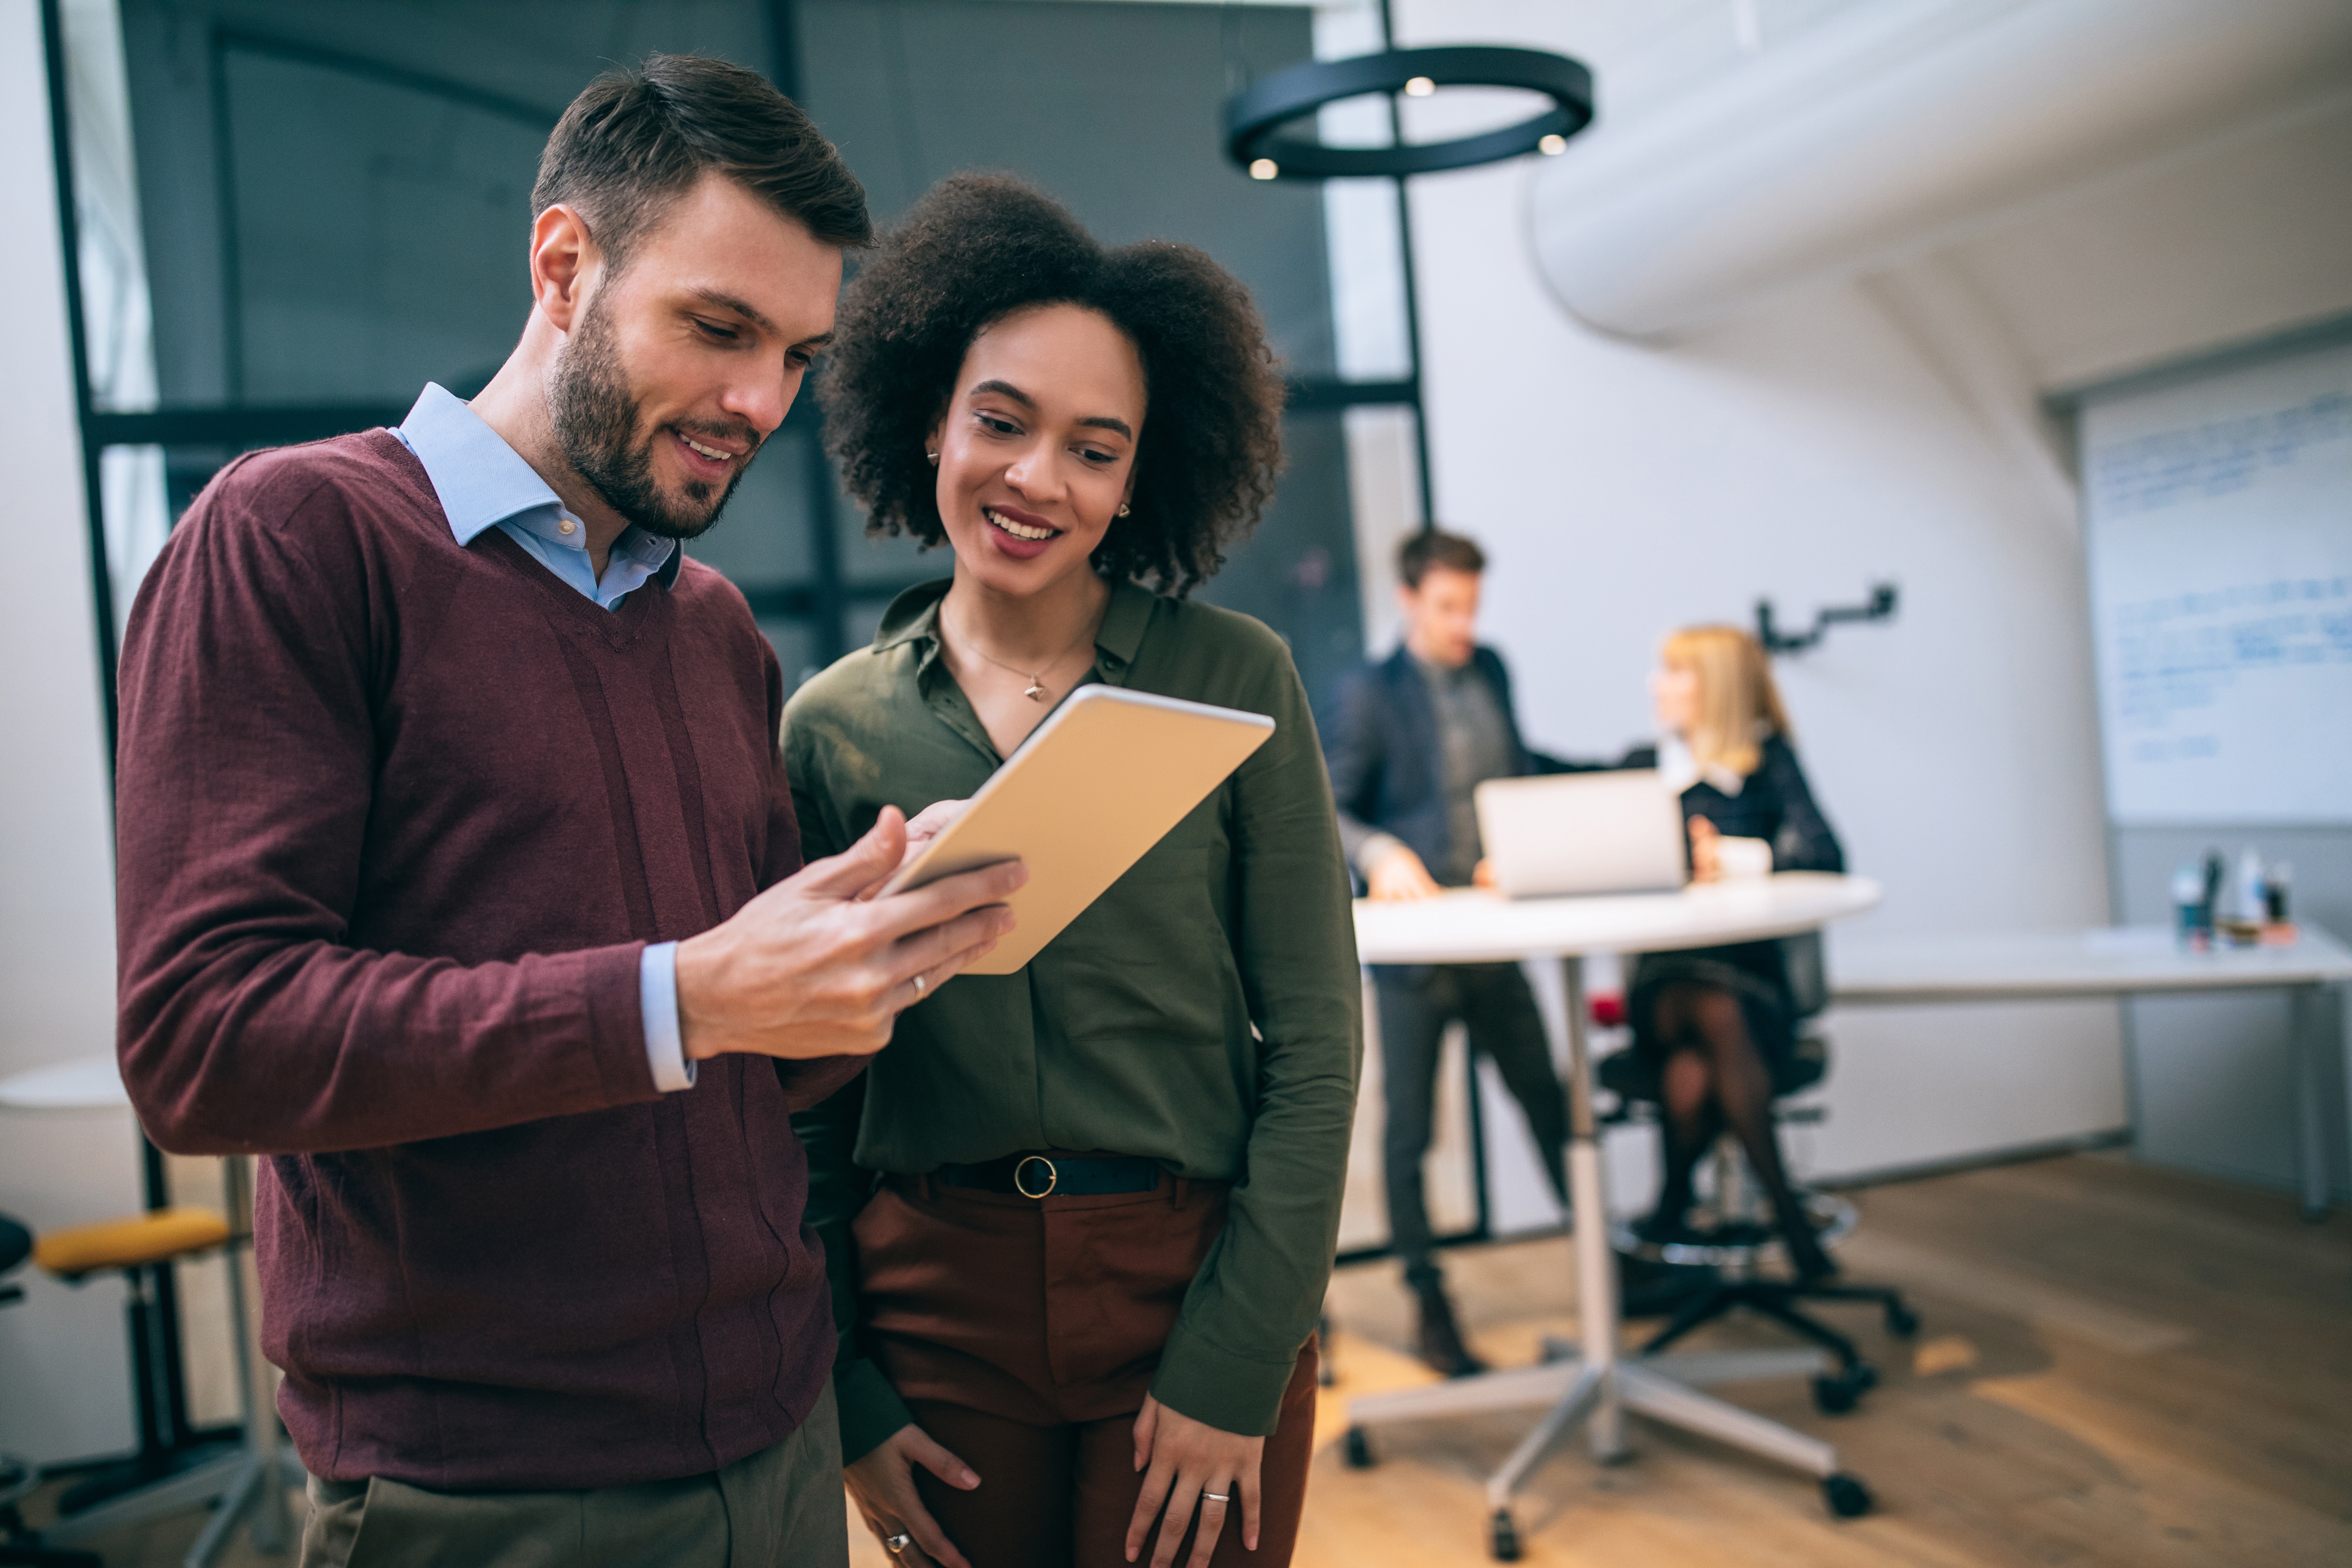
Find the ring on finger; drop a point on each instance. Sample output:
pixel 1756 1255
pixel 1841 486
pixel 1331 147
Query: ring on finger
pixel 922 988
pixel 895 1545
pixel 1216 1497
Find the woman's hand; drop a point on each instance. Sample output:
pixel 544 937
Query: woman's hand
pixel 1706 862
pixel 1188 1460
pixel 882 1485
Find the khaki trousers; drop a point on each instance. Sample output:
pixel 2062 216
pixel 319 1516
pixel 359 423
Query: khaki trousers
pixel 781 1506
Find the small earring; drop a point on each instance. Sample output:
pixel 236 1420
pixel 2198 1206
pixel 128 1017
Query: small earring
pixel 1122 509
pixel 934 458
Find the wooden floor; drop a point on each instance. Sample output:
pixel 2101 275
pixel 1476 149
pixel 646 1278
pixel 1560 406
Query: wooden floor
pixel 2118 1366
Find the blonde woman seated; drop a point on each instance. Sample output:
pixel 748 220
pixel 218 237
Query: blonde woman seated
pixel 1716 1020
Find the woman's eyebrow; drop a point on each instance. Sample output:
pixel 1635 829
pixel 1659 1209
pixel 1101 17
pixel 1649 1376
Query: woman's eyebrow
pixel 1097 421
pixel 1008 390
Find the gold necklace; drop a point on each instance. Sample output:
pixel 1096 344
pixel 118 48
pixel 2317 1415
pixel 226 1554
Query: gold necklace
pixel 1037 691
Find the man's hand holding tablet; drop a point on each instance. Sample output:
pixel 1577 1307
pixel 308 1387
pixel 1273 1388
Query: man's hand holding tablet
pixel 822 964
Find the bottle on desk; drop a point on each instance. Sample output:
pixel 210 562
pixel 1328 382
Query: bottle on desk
pixel 2278 920
pixel 2192 910
pixel 2240 922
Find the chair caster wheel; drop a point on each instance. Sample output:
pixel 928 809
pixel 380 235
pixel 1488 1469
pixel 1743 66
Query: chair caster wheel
pixel 1901 1320
pixel 1360 1449
pixel 1503 1537
pixel 1835 1392
pixel 1847 1497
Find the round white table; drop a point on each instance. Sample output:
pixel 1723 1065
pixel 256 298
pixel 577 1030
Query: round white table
pixel 84 1084
pixel 1594 1387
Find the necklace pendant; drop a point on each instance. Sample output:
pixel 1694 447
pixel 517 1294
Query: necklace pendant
pixel 1035 694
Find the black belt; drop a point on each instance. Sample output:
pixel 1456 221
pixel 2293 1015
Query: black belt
pixel 1072 1176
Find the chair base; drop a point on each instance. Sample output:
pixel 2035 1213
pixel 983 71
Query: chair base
pixel 238 1480
pixel 32 1555
pixel 1780 1300
pixel 20 1546
pixel 120 1479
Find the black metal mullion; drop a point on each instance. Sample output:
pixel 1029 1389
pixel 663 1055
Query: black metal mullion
pixel 101 575
pixel 1315 394
pixel 1412 308
pixel 239 426
pixel 155 1188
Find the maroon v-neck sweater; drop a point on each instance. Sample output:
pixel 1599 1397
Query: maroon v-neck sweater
pixel 395 820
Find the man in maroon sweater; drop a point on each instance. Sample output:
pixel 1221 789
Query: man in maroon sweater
pixel 454 838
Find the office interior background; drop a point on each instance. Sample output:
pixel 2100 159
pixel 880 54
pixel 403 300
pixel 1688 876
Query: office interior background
pixel 1783 325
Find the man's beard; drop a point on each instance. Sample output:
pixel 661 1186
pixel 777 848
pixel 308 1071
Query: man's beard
pixel 597 423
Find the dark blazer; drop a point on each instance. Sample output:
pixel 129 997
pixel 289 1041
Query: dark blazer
pixel 1387 766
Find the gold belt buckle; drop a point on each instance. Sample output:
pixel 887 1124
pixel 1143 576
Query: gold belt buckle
pixel 1021 1171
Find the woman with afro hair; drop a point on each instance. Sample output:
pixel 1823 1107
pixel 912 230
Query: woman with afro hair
pixel 1079 1218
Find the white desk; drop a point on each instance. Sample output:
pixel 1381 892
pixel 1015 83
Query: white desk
pixel 1470 926
pixel 2042 966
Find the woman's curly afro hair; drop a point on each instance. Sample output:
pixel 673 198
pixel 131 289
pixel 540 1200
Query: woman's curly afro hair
pixel 978 248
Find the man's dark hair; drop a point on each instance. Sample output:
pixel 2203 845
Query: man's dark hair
pixel 1434 549
pixel 978 248
pixel 634 140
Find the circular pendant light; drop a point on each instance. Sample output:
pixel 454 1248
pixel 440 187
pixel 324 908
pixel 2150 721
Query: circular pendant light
pixel 1255 116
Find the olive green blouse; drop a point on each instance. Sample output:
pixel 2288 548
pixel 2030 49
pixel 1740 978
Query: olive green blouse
pixel 1202 1012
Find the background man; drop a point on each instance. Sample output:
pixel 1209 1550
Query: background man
pixel 454 838
pixel 1416 734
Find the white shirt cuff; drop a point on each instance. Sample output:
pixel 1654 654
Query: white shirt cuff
pixel 657 994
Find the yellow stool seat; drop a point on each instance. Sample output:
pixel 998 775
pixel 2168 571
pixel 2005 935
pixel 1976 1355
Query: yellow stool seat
pixel 129 1242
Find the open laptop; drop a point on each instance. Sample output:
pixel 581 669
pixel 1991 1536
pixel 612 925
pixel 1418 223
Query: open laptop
pixel 1582 832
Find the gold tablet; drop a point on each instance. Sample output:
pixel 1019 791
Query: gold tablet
pixel 1080 801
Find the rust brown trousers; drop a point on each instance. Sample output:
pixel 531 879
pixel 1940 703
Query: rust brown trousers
pixel 1024 1334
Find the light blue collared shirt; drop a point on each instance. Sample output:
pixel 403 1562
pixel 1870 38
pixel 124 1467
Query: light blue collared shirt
pixel 482 483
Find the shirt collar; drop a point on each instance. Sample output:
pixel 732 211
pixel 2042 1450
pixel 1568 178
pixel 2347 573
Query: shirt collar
pixel 1679 768
pixel 481 481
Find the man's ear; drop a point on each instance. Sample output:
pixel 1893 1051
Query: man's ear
pixel 564 264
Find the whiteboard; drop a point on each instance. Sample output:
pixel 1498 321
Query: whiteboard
pixel 2219 522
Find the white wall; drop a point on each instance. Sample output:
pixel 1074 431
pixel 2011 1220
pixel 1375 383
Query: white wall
pixel 1887 427
pixel 1884 428
pixel 64 1388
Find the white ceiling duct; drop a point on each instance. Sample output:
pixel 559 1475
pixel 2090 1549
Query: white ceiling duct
pixel 1899 125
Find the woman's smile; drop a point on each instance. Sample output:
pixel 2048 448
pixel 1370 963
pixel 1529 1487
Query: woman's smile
pixel 1020 535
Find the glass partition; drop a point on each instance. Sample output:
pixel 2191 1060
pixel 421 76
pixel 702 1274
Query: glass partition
pixel 293 216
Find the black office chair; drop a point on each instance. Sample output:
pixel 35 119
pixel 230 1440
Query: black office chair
pixel 1739 1238
pixel 19 1478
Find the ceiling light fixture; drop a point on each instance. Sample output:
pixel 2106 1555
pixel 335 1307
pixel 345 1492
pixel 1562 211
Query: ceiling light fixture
pixel 1255 116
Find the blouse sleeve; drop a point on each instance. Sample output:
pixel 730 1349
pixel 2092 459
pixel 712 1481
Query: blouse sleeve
pixel 1254 1300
